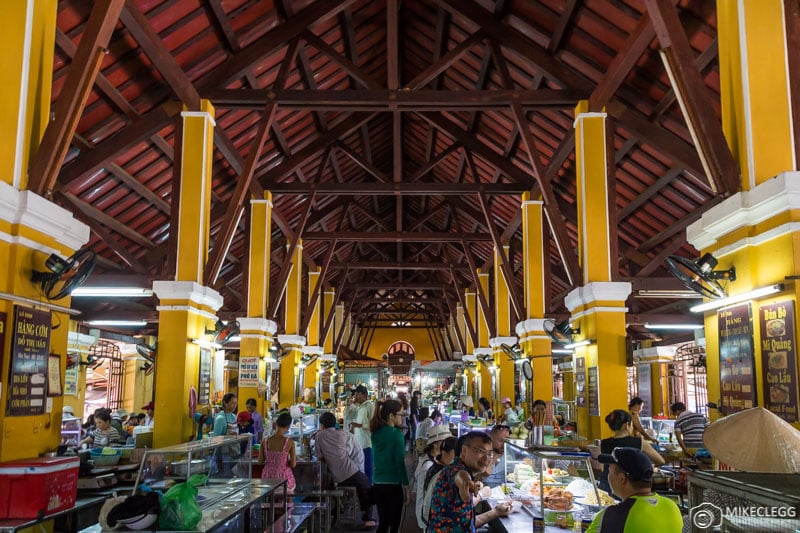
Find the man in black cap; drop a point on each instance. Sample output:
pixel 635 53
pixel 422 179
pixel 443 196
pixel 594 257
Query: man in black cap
pixel 630 476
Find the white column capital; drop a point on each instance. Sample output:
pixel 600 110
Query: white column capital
pixel 598 291
pixel 497 341
pixel 188 290
pixel 257 324
pixel 483 351
pixel 313 350
pixel 295 341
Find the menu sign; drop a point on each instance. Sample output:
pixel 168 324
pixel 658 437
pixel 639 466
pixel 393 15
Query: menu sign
pixel 30 346
pixel 580 381
pixel 204 385
pixel 644 384
pixel 736 361
pixel 778 359
pixel 594 392
pixel 248 371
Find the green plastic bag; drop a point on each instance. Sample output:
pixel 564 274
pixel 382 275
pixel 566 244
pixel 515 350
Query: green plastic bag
pixel 179 508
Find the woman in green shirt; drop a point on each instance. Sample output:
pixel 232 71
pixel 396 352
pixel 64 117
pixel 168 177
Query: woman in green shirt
pixel 390 485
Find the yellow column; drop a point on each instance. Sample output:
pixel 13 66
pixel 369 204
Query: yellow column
pixel 290 369
pixel 260 253
pixel 256 330
pixel 598 307
pixel 31 228
pixel 186 308
pixel 328 296
pixel 502 315
pixel 755 87
pixel 482 322
pixel 755 230
pixel 312 335
pixel 533 339
pixel 28 44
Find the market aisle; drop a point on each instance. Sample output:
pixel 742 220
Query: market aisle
pixel 409 522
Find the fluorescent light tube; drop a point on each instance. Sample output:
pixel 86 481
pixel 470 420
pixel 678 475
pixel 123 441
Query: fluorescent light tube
pixel 112 292
pixel 585 342
pixel 562 351
pixel 674 326
pixel 123 323
pixel 737 298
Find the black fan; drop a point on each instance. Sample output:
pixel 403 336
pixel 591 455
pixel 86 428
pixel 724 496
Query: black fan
pixel 561 333
pixel 146 351
pixel 65 274
pixel 700 275
pixel 223 332
pixel 514 352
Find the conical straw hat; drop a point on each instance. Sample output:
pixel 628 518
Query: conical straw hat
pixel 755 440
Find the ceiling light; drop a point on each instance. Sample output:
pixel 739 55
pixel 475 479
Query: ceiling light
pixel 113 292
pixel 654 293
pixel 563 351
pixel 737 298
pixel 674 326
pixel 122 323
pixel 207 344
pixel 585 342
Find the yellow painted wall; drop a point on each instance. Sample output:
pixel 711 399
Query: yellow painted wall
pixel 417 337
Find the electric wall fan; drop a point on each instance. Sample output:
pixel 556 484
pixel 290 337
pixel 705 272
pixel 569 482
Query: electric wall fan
pixel 148 353
pixel 700 275
pixel 64 274
pixel 561 333
pixel 223 332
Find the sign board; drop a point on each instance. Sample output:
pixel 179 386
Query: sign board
pixel 593 388
pixel 30 347
pixel 778 359
pixel 644 384
pixel 580 381
pixel 248 371
pixel 204 381
pixel 736 361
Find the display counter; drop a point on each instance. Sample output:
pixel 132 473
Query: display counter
pixel 238 508
pixel 83 513
pixel 730 492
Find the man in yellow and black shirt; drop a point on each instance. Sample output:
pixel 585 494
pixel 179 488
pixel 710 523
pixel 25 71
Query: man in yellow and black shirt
pixel 641 511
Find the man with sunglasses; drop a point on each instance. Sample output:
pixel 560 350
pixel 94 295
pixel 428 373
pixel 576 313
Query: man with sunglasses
pixel 455 490
pixel 630 476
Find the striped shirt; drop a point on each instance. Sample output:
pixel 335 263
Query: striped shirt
pixel 691 426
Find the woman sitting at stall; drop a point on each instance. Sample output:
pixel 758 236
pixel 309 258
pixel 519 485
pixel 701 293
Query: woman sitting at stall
pixel 635 407
pixel 102 434
pixel 621 424
pixel 277 453
pixel 432 449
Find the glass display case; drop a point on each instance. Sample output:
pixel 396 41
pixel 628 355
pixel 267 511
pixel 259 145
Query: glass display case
pixel 70 431
pixel 305 426
pixel 555 486
pixel 474 424
pixel 225 460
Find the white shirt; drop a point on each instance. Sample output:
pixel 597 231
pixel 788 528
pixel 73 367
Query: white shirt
pixel 363 416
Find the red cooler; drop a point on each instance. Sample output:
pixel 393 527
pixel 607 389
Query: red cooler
pixel 33 488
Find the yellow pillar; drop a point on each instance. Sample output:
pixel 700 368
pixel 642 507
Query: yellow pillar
pixel 535 343
pixel 186 308
pixel 260 253
pixel 755 87
pixel 328 296
pixel 31 228
pixel 28 44
pixel 256 331
pixel 755 230
pixel 290 369
pixel 312 335
pixel 597 307
pixel 482 322
pixel 502 315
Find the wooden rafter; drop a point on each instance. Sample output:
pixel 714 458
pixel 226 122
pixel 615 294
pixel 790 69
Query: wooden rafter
pixel 69 106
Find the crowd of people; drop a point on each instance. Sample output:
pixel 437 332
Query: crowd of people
pixel 107 427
